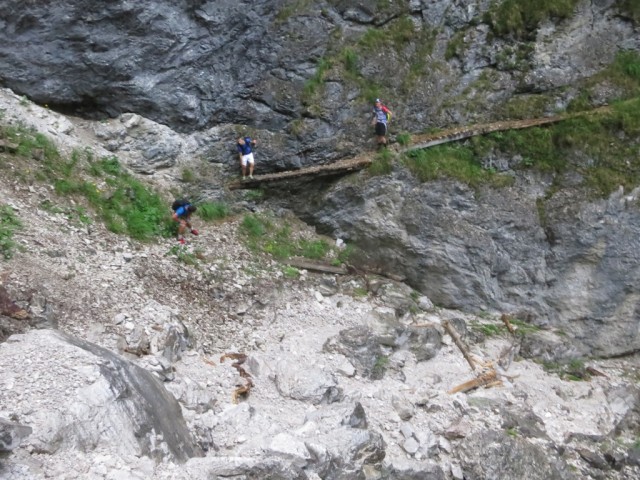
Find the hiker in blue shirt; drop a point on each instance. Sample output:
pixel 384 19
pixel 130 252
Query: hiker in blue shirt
pixel 245 153
pixel 381 117
pixel 182 211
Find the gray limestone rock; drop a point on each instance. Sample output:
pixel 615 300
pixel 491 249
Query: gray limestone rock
pixel 84 383
pixel 11 434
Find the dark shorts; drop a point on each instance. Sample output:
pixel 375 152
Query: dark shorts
pixel 381 129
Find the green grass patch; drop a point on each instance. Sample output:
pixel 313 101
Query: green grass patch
pixel 451 161
pixel 209 211
pixel 589 145
pixel 9 223
pixel 455 46
pixel 314 249
pixel 315 83
pixel 343 255
pixel 290 272
pixel 382 164
pixel 253 226
pixel 29 141
pixel 487 329
pixel 183 255
pixel 524 328
pixel 360 292
pixel 125 204
pixel 350 62
pixel 276 239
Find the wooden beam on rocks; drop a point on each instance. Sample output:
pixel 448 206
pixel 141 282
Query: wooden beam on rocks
pixel 460 133
pixel 306 264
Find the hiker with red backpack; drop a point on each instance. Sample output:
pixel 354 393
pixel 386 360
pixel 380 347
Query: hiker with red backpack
pixel 182 211
pixel 381 117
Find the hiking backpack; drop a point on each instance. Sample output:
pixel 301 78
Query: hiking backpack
pixel 386 111
pixel 181 202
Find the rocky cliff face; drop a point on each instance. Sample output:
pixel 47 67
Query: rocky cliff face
pixel 301 73
pixel 491 250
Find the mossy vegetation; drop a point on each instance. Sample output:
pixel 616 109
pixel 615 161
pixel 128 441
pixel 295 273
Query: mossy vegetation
pixel 455 46
pixel 630 8
pixel 573 370
pixel 400 35
pixel 521 18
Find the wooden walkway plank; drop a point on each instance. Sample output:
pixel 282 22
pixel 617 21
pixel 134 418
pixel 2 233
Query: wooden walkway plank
pixel 418 142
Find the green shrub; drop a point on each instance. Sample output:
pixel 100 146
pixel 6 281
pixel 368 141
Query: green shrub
pixel 487 329
pixel 520 18
pixel 110 166
pixel 212 211
pixel 379 367
pixel 403 139
pixel 9 223
pixel 252 226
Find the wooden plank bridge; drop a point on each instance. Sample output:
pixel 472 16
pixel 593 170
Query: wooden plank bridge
pixel 418 142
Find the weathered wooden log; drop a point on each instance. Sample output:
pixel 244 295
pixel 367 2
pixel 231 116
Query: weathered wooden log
pixel 458 341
